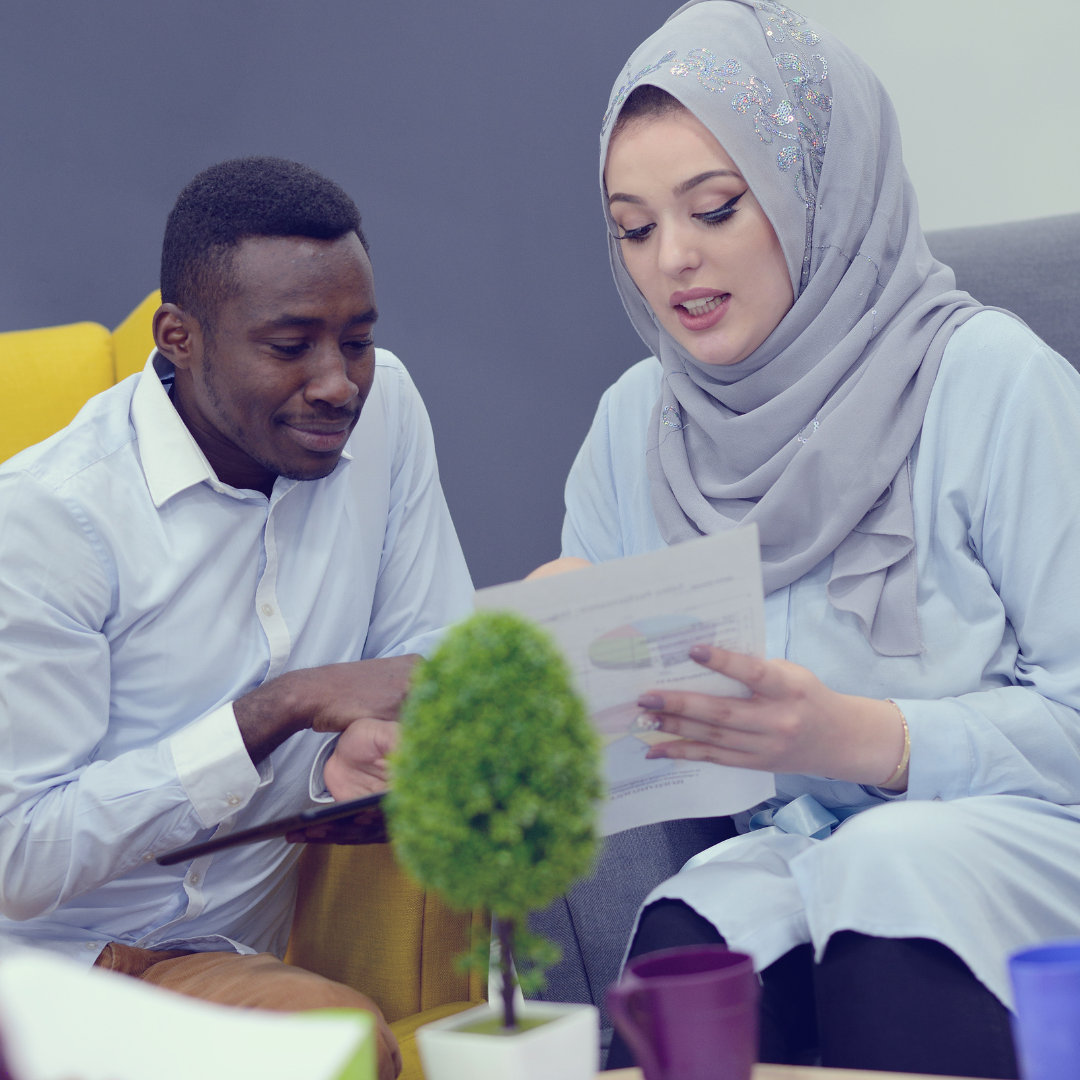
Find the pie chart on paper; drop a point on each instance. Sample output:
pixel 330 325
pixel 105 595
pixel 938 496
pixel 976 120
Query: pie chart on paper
pixel 656 641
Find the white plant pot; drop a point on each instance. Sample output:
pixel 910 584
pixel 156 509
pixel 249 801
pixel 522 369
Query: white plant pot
pixel 567 1047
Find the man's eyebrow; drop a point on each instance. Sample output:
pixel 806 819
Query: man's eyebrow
pixel 284 322
pixel 680 189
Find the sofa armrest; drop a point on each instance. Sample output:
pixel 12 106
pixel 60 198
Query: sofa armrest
pixel 133 339
pixel 46 376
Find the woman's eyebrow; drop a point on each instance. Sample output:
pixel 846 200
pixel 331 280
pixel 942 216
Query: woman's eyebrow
pixel 693 182
pixel 680 189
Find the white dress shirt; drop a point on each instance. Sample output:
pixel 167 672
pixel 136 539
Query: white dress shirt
pixel 140 597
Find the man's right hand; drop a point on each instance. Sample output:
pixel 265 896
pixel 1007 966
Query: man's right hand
pixel 337 695
pixel 328 698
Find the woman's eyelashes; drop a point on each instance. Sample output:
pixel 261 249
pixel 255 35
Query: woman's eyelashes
pixel 721 213
pixel 637 234
pixel 707 217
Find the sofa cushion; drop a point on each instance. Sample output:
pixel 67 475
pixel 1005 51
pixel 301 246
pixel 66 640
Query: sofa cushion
pixel 360 920
pixel 592 923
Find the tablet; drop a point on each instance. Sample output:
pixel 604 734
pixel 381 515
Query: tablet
pixel 355 821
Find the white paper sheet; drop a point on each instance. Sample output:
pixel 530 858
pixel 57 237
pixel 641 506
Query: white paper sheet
pixel 60 1020
pixel 625 627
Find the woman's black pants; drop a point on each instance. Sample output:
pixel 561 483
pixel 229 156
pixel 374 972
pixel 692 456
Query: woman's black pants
pixel 892 1004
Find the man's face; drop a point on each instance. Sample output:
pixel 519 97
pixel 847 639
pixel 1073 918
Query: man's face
pixel 276 386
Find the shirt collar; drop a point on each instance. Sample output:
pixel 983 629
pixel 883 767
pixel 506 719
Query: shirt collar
pixel 172 460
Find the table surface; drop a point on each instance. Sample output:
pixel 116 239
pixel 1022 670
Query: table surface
pixel 793 1072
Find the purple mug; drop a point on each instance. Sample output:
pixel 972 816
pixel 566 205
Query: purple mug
pixel 689 1013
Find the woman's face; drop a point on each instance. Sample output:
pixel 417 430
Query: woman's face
pixel 694 239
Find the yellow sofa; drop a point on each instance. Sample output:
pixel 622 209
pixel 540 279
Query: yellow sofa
pixel 358 919
pixel 46 375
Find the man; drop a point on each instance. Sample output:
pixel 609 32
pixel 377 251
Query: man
pixel 217 567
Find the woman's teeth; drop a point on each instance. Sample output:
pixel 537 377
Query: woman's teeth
pixel 699 307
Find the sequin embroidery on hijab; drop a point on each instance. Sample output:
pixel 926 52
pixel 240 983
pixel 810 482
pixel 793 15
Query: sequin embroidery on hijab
pixel 810 435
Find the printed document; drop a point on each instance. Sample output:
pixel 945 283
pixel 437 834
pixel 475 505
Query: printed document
pixel 625 627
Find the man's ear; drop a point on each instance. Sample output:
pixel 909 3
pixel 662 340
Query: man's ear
pixel 177 335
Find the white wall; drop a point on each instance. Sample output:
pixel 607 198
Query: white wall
pixel 987 95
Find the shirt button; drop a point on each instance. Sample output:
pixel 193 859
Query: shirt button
pixel 193 879
pixel 92 945
pixel 267 609
pixel 148 857
pixel 233 800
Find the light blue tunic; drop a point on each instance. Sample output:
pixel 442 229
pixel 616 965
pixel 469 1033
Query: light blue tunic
pixel 983 852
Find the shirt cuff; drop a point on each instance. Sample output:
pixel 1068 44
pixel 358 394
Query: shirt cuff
pixel 214 767
pixel 318 790
pixel 940 765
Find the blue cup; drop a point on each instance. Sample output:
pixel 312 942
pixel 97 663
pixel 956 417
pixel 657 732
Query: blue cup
pixel 1046 1026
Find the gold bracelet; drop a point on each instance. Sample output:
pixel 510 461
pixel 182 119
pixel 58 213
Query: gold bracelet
pixel 906 755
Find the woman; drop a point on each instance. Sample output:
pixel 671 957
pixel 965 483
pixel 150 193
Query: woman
pixel 909 459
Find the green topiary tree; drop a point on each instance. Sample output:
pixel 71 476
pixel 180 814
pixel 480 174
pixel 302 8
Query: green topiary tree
pixel 495 783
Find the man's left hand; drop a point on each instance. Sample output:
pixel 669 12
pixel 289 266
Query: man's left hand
pixel 357 767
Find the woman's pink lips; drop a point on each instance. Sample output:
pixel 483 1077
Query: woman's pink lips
pixel 683 295
pixel 707 319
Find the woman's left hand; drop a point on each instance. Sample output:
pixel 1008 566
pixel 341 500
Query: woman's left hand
pixel 790 723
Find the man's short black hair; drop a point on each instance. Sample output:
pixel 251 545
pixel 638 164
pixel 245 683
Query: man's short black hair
pixel 226 203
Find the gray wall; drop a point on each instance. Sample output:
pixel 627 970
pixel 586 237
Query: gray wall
pixel 981 88
pixel 466 132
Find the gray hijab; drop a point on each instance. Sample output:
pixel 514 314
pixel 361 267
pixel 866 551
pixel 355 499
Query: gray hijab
pixel 809 436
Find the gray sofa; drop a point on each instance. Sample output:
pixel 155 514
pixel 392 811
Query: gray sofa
pixel 1030 267
pixel 1033 269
